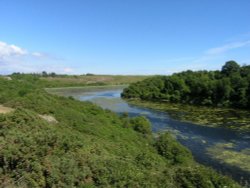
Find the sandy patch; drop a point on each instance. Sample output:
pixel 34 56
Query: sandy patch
pixel 4 110
pixel 48 118
pixel 7 78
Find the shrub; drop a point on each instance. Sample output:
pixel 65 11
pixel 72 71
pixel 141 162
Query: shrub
pixel 141 125
pixel 172 150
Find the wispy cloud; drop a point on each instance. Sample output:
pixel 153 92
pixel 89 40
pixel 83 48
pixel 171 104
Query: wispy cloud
pixel 7 50
pixel 42 55
pixel 214 58
pixel 10 50
pixel 68 70
pixel 37 54
pixel 227 47
pixel 17 59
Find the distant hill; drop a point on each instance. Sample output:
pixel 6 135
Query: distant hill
pixel 55 80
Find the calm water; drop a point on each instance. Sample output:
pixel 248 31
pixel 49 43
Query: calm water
pixel 196 138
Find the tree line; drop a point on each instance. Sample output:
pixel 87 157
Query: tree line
pixel 229 87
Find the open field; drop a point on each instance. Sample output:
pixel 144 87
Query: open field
pixel 95 80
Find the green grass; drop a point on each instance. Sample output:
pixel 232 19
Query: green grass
pixel 87 147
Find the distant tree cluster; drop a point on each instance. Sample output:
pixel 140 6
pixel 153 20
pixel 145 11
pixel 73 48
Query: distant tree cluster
pixel 43 74
pixel 90 74
pixel 229 87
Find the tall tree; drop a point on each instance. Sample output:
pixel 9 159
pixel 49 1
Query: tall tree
pixel 230 67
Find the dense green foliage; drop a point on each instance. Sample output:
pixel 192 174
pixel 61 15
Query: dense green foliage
pixel 140 124
pixel 86 146
pixel 171 150
pixel 229 87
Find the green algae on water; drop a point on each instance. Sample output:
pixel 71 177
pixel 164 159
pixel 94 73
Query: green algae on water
pixel 225 153
pixel 206 116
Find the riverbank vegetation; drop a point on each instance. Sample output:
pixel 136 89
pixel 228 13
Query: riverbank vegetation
pixel 86 146
pixel 229 87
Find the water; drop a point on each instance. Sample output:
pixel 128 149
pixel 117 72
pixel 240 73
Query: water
pixel 195 137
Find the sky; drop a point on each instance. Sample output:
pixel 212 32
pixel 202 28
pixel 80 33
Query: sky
pixel 122 36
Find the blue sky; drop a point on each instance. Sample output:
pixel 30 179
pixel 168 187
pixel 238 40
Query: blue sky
pixel 122 36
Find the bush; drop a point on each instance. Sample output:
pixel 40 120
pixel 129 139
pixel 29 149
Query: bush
pixel 201 177
pixel 141 125
pixel 172 150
